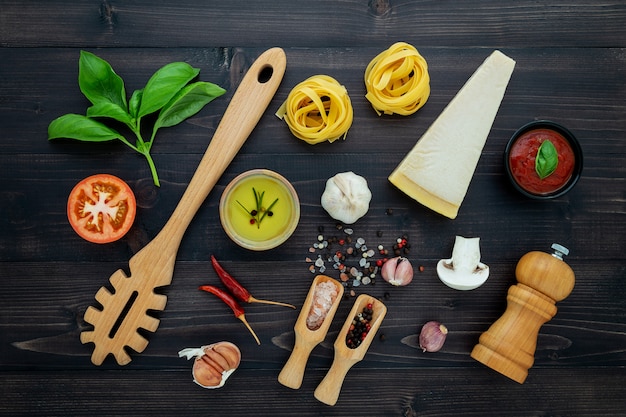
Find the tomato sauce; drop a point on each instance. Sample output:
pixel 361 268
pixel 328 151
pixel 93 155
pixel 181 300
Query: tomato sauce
pixel 522 161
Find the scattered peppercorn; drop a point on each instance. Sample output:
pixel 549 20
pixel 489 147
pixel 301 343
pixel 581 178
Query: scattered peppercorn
pixel 356 262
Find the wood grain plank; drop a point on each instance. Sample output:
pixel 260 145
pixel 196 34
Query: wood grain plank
pixel 422 391
pixel 43 315
pixel 317 24
pixel 34 208
pixel 546 84
pixel 571 68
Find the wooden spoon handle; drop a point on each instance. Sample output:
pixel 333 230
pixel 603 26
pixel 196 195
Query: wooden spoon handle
pixel 328 390
pixel 293 372
pixel 243 113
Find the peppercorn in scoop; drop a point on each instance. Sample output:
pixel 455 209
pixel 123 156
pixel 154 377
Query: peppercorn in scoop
pixel 360 327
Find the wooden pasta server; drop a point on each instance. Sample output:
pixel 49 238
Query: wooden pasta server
pixel 126 310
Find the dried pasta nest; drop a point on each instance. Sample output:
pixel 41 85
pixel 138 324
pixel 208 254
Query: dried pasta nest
pixel 318 110
pixel 397 80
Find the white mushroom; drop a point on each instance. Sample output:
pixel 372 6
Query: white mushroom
pixel 346 197
pixel 463 271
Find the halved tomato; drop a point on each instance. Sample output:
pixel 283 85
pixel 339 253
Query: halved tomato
pixel 101 208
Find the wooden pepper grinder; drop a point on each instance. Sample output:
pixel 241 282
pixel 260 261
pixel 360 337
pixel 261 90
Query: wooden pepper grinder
pixel 510 343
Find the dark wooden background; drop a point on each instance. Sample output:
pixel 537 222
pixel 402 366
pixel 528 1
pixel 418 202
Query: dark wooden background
pixel 571 67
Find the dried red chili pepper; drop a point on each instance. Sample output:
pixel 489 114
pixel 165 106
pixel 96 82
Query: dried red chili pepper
pixel 232 303
pixel 237 289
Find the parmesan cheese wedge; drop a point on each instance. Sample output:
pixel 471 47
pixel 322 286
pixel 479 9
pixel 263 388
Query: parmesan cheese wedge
pixel 438 170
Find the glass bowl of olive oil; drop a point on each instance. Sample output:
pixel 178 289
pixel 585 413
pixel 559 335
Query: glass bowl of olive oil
pixel 259 209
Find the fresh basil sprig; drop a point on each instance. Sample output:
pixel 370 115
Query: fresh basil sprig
pixel 547 159
pixel 168 92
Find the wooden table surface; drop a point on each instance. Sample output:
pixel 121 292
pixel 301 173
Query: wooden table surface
pixel 571 68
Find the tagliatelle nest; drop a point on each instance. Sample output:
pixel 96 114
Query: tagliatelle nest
pixel 318 110
pixel 397 80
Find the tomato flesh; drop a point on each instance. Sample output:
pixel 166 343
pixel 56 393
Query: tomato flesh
pixel 101 208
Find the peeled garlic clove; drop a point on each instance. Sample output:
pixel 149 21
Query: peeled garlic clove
pixel 346 197
pixel 213 364
pixel 432 336
pixel 397 271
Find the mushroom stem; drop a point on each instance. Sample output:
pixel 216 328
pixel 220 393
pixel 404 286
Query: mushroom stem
pixel 463 271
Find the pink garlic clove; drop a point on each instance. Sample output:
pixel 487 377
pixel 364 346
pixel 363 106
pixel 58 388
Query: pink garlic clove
pixel 432 336
pixel 397 271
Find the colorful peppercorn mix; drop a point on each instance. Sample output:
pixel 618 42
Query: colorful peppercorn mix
pixel 356 262
pixel 360 327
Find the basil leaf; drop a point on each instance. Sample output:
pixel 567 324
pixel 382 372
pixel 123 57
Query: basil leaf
pixel 164 85
pixel 79 127
pixel 165 91
pixel 98 82
pixel 187 102
pixel 547 159
pixel 110 110
pixel 134 103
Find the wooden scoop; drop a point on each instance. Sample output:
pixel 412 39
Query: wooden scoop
pixel 306 339
pixel 125 311
pixel 328 390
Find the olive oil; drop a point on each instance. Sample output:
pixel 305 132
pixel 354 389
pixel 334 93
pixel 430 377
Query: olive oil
pixel 251 224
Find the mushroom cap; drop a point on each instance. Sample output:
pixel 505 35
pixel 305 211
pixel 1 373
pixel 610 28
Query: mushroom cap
pixel 462 279
pixel 463 271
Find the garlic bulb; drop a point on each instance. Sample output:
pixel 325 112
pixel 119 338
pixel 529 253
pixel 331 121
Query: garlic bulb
pixel 346 197
pixel 213 363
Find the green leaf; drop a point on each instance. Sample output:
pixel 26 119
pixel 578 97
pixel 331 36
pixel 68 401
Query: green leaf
pixel 106 91
pixel 110 110
pixel 547 159
pixel 134 103
pixel 189 101
pixel 79 127
pixel 164 85
pixel 98 82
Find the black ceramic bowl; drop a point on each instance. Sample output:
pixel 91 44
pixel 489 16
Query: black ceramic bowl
pixel 526 181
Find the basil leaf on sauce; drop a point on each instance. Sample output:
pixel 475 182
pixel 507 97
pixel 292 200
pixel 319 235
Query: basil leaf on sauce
pixel 547 159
